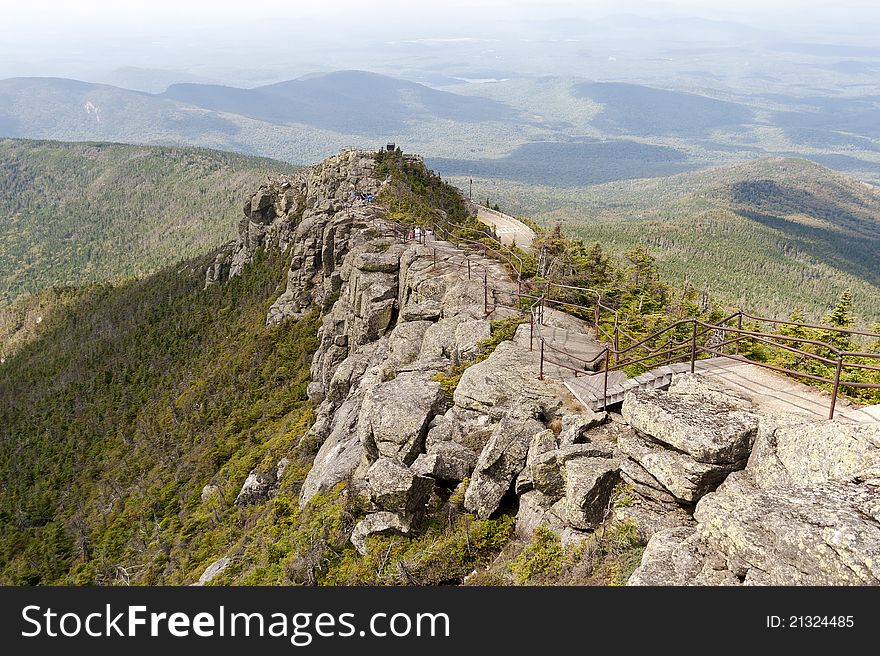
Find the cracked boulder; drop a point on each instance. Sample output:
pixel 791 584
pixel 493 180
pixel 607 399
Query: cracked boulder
pixel 398 489
pixel 683 477
pixel 447 462
pixel 707 430
pixel 394 417
pixel 589 485
pixel 790 450
pixel 377 523
pixel 576 427
pixel 826 534
pixel 496 384
pixel 502 459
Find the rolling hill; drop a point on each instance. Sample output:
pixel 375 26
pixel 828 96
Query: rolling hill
pixel 771 235
pixel 73 214
pixel 354 102
pixel 555 131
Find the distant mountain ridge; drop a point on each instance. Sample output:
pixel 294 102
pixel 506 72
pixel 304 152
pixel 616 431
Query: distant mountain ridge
pixel 346 101
pixel 80 213
pixel 350 102
pixel 778 233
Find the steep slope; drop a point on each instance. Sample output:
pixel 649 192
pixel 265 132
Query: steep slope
pixel 203 426
pixel 79 213
pixel 140 433
pixel 137 396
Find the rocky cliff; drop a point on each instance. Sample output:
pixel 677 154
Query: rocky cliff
pixel 721 492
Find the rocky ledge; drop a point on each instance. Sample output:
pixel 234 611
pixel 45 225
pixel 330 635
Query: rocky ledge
pixel 719 490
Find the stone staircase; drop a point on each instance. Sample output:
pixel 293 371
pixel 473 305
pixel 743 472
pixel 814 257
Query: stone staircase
pixel 571 349
pixel 589 389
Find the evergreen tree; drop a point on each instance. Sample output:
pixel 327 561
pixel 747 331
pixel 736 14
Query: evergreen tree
pixel 841 316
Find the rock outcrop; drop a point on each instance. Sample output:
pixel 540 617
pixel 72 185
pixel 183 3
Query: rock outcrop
pixel 805 511
pixel 722 492
pixel 394 416
pixel 503 457
pixel 684 442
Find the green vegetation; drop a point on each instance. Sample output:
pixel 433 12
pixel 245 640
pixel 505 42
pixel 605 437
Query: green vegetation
pixel 21 321
pixel 637 303
pixel 142 407
pixel 605 557
pixel 75 214
pixel 419 195
pixel 841 316
pixel 130 402
pixel 540 557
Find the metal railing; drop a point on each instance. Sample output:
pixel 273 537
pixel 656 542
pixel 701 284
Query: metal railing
pixel 670 349
pixel 694 344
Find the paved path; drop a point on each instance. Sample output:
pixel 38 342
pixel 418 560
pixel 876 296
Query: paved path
pixel 508 229
pixel 775 392
pixel 572 344
pixel 766 389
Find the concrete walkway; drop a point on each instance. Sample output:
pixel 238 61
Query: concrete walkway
pixel 508 229
pixel 776 393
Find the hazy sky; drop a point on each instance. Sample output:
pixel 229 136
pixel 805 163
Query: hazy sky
pixel 79 38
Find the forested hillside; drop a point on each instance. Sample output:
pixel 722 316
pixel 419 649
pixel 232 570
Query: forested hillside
pixel 773 235
pixel 136 397
pixel 74 214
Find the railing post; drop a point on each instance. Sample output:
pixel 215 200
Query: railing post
pixel 694 348
pixel 596 321
pixel 541 370
pixel 616 333
pixel 469 267
pixel 836 386
pixel 435 258
pixel 486 293
pixel 739 326
pixel 605 390
pixel 532 330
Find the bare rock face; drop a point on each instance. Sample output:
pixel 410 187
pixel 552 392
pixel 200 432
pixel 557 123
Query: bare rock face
pixel 405 342
pixel 536 509
pixel 824 534
pixel 259 486
pixel 213 570
pixel 429 310
pixel 543 467
pixel 468 336
pixel 805 511
pixel 791 451
pixel 671 558
pixel 398 489
pixel 446 461
pixel 491 387
pixel 313 216
pixel 683 477
pixel 377 523
pixel 576 427
pixel 708 431
pixel 439 340
pixel 502 459
pixel 394 417
pixel 681 444
pixel 589 483
pixel 341 452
